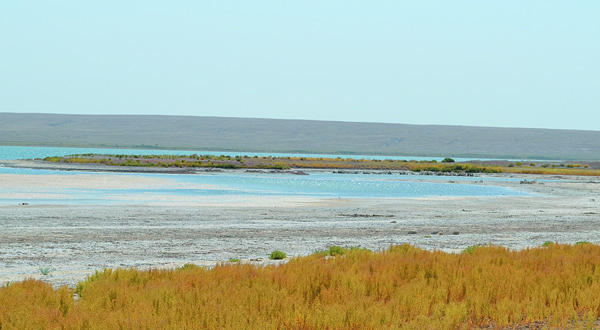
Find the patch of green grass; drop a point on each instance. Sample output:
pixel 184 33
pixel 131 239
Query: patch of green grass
pixel 189 267
pixel 335 250
pixel 582 243
pixel 471 249
pixel 332 251
pixel 358 248
pixel 277 255
pixel 45 270
pixel 234 260
pixel 547 243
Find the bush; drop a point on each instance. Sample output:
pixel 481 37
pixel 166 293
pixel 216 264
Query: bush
pixel 582 243
pixel 189 267
pixel 335 250
pixel 358 248
pixel 277 255
pixel 471 249
pixel 448 160
pixel 402 287
pixel 45 270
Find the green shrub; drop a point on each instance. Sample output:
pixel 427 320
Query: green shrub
pixel 335 250
pixel 45 270
pixel 447 160
pixel 547 243
pixel 277 255
pixel 582 243
pixel 53 159
pixel 471 249
pixel 358 248
pixel 189 267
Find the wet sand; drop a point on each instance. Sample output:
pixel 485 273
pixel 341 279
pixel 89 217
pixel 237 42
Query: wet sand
pixel 75 240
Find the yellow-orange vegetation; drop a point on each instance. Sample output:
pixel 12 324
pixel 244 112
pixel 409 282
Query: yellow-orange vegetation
pixel 282 163
pixel 553 171
pixel 402 287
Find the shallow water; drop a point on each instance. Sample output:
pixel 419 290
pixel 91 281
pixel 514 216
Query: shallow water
pixel 192 188
pixel 13 152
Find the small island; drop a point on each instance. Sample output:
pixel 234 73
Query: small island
pixel 342 165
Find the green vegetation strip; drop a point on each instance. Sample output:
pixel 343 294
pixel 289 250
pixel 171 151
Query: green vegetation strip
pixel 279 163
pixel 448 165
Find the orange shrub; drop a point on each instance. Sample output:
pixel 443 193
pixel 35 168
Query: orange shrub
pixel 402 287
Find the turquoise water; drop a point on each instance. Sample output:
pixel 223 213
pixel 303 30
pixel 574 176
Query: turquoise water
pixel 226 187
pixel 230 184
pixel 347 186
pixel 7 152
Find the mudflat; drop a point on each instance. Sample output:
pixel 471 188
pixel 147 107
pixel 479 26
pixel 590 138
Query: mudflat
pixel 72 241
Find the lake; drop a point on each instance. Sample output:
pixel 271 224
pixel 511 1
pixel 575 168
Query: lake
pixel 227 184
pixel 12 152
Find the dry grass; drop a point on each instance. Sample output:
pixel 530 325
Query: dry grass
pixel 195 161
pixel 402 287
pixel 553 171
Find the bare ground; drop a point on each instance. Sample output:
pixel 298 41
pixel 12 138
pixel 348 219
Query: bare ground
pixel 73 241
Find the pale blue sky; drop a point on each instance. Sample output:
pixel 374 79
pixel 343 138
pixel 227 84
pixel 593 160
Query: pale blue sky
pixel 476 63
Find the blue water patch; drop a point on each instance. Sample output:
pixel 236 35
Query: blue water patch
pixel 317 184
pixel 193 186
pixel 15 152
pixel 336 185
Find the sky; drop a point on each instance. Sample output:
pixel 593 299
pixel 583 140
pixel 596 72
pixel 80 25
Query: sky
pixel 533 64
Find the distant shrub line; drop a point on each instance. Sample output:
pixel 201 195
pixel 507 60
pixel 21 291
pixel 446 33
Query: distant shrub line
pixel 448 165
pixel 402 287
pixel 193 161
pixel 284 163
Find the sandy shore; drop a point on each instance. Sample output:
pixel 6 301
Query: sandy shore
pixel 75 240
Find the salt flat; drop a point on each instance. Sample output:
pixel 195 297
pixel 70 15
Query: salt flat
pixel 76 240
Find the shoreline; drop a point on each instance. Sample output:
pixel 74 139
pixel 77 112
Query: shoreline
pixel 76 240
pixel 101 168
